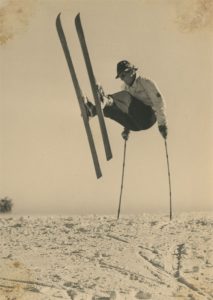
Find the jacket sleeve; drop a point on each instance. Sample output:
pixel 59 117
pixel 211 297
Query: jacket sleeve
pixel 158 103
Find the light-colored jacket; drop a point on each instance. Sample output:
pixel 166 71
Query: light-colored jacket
pixel 146 91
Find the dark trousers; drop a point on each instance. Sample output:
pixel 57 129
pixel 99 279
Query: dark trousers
pixel 130 112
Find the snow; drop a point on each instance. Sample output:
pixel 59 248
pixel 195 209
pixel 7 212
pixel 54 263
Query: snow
pixel 96 257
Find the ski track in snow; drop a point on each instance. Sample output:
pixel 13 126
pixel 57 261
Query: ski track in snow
pixel 99 258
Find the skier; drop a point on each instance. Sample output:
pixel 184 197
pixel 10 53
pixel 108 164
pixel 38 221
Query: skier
pixel 137 107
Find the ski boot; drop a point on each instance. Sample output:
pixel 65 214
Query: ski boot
pixel 90 108
pixel 106 100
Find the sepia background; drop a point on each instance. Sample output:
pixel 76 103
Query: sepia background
pixel 45 161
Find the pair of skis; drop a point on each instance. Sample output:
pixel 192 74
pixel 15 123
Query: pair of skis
pixel 79 94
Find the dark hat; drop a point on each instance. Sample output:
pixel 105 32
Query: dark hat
pixel 124 65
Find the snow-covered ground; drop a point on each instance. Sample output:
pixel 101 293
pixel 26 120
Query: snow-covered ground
pixel 97 257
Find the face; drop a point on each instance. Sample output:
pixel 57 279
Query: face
pixel 128 76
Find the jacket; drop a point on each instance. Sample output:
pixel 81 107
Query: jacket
pixel 146 91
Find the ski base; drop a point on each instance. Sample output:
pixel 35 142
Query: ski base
pixel 94 87
pixel 79 95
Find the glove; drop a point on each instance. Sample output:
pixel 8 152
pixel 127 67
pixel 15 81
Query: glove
pixel 125 134
pixel 100 91
pixel 163 130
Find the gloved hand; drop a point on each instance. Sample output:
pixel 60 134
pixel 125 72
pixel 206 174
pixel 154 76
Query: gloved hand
pixel 163 130
pixel 125 134
pixel 100 91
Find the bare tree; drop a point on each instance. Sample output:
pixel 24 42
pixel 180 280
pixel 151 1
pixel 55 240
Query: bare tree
pixel 5 205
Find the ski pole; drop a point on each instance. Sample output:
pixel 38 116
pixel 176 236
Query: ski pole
pixel 170 190
pixel 122 180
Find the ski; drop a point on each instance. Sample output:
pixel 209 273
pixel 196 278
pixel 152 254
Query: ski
pixel 79 95
pixel 94 87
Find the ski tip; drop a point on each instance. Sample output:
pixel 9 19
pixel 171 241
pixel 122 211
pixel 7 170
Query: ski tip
pixel 58 17
pixel 77 18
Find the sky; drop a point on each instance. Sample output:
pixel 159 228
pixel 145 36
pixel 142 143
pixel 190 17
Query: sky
pixel 45 161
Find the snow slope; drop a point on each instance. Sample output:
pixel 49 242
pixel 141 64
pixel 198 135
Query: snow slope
pixel 97 257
